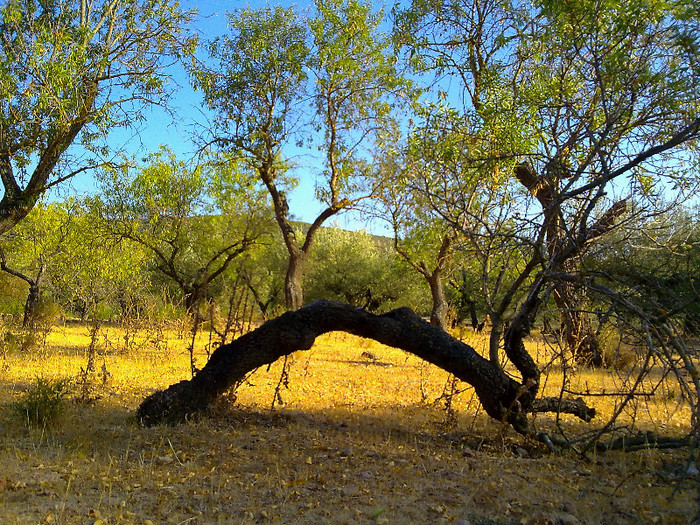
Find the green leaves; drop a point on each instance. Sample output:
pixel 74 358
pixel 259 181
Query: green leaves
pixel 70 71
pixel 274 62
pixel 257 77
pixel 192 219
pixel 356 85
pixel 51 53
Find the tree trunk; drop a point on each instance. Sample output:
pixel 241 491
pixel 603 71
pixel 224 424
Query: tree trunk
pixel 438 315
pixel 473 317
pixel 193 296
pixel 578 336
pixel 293 291
pixel 495 338
pixel 502 397
pixel 29 319
pixel 15 204
pixel 577 332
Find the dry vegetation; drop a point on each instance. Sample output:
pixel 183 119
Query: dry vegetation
pixel 363 436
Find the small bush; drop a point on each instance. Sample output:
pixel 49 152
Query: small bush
pixel 12 339
pixel 43 403
pixel 616 354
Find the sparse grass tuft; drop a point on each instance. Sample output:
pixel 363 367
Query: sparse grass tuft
pixel 42 404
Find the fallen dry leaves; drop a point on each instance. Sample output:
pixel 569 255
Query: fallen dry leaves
pixel 357 440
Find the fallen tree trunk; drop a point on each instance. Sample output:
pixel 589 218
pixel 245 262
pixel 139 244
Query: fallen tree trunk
pixel 502 397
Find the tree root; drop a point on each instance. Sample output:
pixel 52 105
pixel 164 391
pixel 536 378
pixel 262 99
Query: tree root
pixel 640 441
pixel 576 407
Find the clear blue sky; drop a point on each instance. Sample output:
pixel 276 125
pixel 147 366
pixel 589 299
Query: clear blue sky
pixel 161 128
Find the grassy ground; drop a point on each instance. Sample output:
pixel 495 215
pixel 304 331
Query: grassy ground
pixel 362 436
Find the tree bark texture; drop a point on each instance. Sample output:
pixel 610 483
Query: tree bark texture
pixel 503 398
pixel 293 291
pixel 438 315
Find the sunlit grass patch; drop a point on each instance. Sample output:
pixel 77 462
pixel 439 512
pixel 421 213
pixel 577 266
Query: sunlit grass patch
pixel 362 434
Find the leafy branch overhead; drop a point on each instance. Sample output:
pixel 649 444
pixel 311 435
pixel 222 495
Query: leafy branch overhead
pixel 69 73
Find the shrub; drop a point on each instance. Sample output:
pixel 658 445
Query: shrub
pixel 42 403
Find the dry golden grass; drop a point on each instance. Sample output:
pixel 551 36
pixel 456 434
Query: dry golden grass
pixel 357 440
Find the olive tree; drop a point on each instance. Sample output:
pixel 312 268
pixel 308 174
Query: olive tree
pixel 28 252
pixel 194 220
pixel 357 268
pixel 279 81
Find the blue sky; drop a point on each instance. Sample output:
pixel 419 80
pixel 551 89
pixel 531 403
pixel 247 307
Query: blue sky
pixel 160 127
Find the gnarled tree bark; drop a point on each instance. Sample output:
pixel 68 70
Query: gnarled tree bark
pixel 502 397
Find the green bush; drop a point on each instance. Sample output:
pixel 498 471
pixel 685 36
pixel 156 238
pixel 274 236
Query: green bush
pixel 42 403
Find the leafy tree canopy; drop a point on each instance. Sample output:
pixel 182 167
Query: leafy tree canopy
pixel 70 71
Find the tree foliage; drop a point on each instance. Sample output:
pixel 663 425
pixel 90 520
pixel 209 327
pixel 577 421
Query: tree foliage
pixel 194 220
pixel 69 73
pixel 274 84
pixel 575 110
pixel 358 269
pixel 29 253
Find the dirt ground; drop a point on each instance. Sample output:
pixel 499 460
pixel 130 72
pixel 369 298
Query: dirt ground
pixel 356 441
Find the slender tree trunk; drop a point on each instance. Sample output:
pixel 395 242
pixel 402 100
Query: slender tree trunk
pixel 474 319
pixel 33 298
pixel 495 338
pixel 293 291
pixel 438 315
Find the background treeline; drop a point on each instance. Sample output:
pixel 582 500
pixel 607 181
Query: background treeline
pixel 163 248
pixel 72 260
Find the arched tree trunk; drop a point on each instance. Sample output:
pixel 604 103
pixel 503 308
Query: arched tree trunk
pixel 503 398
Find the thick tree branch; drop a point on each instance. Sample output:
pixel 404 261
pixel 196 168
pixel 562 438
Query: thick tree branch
pixel 576 407
pixel 297 330
pixel 501 396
